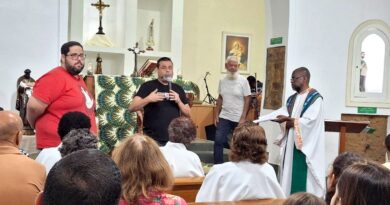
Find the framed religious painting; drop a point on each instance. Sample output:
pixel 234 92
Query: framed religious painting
pixel 238 45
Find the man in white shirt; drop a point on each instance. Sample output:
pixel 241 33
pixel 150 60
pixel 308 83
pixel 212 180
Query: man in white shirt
pixel 302 167
pixel 183 163
pixel 232 105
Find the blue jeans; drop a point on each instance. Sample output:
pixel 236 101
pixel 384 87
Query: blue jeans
pixel 224 128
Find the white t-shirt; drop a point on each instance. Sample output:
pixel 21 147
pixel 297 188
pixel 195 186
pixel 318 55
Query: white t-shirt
pixel 183 163
pixel 234 181
pixel 233 92
pixel 48 157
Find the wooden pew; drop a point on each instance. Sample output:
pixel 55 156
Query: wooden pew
pixel 244 202
pixel 187 187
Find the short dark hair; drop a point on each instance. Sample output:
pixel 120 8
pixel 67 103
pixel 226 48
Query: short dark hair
pixel 249 143
pixel 344 160
pixel 72 120
pixel 364 183
pixel 65 47
pixel 84 177
pixel 339 165
pixel 251 79
pixel 305 71
pixel 387 142
pixel 163 59
pixel 78 139
pixel 182 130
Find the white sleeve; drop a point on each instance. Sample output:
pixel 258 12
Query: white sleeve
pixel 272 115
pixel 247 88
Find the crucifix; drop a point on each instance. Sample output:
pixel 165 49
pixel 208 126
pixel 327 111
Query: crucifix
pixel 136 51
pixel 100 6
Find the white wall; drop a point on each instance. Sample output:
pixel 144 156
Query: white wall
pixel 31 35
pixel 277 20
pixel 319 33
pixel 203 24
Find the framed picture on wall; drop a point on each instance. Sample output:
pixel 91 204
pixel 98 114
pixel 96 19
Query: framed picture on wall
pixel 238 45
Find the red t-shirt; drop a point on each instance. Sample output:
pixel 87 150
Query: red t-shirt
pixel 63 93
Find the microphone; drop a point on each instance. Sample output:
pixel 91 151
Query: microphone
pixel 169 79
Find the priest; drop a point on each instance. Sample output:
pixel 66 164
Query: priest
pixel 302 139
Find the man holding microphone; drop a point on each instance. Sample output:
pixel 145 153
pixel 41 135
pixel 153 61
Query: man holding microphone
pixel 162 101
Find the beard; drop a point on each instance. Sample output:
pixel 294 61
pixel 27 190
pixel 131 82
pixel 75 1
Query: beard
pixel 296 88
pixel 232 76
pixel 73 70
pixel 167 78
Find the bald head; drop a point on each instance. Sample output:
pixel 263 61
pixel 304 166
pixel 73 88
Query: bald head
pixel 10 125
pixel 300 79
pixel 303 71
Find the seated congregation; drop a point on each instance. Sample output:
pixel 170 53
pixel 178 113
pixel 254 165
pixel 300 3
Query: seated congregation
pixel 141 172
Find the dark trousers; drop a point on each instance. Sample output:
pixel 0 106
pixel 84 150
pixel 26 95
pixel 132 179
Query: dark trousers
pixel 224 128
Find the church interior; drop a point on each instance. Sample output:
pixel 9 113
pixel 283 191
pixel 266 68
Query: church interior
pixel 270 37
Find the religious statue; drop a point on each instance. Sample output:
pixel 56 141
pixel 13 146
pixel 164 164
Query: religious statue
pixel 363 72
pixel 25 86
pixel 89 69
pixel 150 41
pixel 99 69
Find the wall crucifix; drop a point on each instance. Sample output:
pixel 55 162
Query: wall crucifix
pixel 100 6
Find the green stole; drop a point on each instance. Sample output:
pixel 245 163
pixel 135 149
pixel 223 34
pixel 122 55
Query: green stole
pixel 299 168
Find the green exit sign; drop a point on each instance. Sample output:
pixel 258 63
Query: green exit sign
pixel 367 110
pixel 277 40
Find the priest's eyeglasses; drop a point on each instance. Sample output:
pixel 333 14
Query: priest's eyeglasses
pixel 75 56
pixel 296 78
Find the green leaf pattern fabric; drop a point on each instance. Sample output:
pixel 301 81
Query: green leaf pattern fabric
pixel 113 94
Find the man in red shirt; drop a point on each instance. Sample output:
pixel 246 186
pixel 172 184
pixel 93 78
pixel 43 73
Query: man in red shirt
pixel 57 92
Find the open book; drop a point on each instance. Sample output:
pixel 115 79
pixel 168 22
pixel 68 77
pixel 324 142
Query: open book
pixel 147 68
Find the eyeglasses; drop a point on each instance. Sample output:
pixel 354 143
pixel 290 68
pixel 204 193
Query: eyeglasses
pixel 75 56
pixel 296 78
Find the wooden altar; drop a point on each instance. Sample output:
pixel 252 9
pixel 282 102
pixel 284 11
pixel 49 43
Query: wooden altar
pixel 202 115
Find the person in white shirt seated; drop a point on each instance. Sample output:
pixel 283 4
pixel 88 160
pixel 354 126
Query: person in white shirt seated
pixel 71 120
pixel 183 163
pixel 248 175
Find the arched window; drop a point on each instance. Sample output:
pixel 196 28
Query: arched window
pixel 368 81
